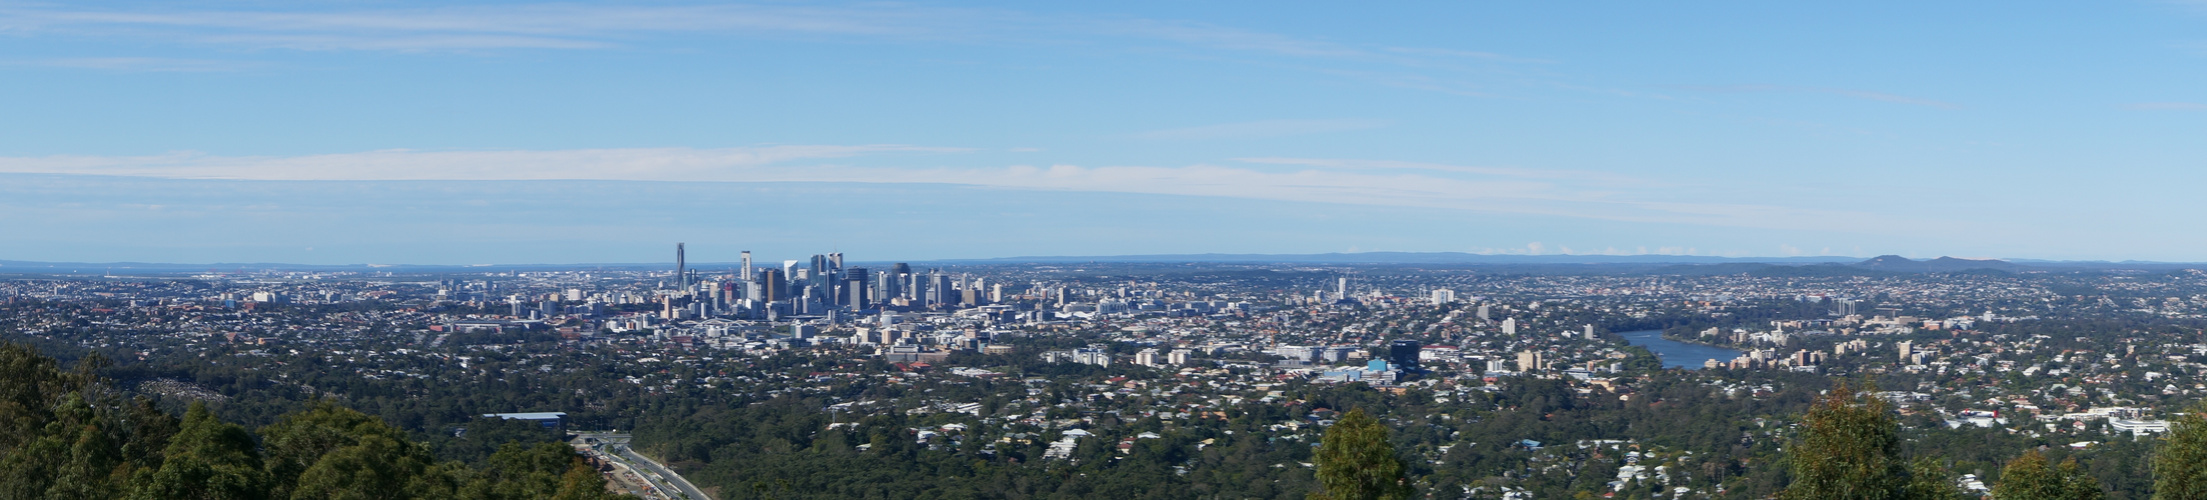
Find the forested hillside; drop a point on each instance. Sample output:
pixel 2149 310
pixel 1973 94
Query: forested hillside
pixel 68 434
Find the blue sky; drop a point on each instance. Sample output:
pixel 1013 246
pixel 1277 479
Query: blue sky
pixel 392 132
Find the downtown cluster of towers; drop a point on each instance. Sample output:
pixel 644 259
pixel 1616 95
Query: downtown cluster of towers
pixel 821 287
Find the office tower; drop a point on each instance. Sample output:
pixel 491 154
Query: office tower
pixel 854 293
pixel 681 269
pixel 772 286
pixel 820 282
pixel 1483 313
pixel 856 285
pixel 747 265
pixel 1905 350
pixel 891 282
pixel 1404 353
pixel 938 286
pixel 1341 288
pixel 858 273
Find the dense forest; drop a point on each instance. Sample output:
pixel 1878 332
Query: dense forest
pixel 69 434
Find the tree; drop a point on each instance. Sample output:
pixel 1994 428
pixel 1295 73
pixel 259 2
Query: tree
pixel 376 467
pixel 207 459
pixel 343 452
pixel 2180 467
pixel 1849 448
pixel 1357 462
pixel 2029 478
pixel 1928 480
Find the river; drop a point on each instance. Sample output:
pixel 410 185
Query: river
pixel 1677 354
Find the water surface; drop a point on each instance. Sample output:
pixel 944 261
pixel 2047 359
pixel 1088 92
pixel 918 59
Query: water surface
pixel 1677 354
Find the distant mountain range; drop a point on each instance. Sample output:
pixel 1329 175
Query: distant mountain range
pixel 1418 258
pixel 1663 264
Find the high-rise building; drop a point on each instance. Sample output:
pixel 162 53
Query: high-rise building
pixel 681 270
pixel 1177 356
pixel 1443 296
pixel 747 266
pixel 1148 357
pixel 1528 361
pixel 938 287
pixel 822 280
pixel 854 293
pixel 1509 326
pixel 1404 353
pixel 1341 288
pixel 772 286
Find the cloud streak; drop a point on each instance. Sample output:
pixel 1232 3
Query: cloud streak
pixel 2167 106
pixel 476 29
pixel 140 64
pixel 1848 93
pixel 1262 129
pixel 1350 182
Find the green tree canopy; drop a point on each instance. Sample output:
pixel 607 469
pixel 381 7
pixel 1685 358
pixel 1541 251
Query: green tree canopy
pixel 207 459
pixel 1849 448
pixel 2180 466
pixel 2028 477
pixel 1357 462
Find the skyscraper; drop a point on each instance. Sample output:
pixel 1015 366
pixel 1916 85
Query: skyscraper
pixel 855 288
pixel 1404 354
pixel 681 270
pixel 823 278
pixel 938 287
pixel 773 286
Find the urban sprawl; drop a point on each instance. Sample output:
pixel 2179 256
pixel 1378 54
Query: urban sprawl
pixel 1499 382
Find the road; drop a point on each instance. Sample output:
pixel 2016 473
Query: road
pixel 680 484
pixel 666 481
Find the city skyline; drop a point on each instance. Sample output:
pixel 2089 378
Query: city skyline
pixel 569 133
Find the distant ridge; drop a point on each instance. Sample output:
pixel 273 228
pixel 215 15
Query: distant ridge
pixel 1660 264
pixel 1898 263
pixel 1417 258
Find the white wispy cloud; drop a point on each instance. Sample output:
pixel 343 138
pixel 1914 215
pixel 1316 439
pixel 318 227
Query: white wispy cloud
pixel 1529 173
pixel 646 164
pixel 483 28
pixel 2167 106
pixel 1223 37
pixel 140 64
pixel 1508 191
pixel 1262 129
pixel 550 26
pixel 1849 93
